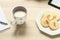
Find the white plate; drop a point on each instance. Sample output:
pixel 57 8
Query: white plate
pixel 47 30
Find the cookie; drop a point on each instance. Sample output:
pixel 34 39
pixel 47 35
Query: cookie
pixel 53 25
pixel 44 22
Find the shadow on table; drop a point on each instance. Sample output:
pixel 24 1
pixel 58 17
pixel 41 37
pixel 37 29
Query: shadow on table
pixel 40 0
pixel 37 0
pixel 52 37
pixel 20 30
pixel 47 35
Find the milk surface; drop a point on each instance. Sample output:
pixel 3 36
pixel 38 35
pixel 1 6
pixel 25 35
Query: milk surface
pixel 19 14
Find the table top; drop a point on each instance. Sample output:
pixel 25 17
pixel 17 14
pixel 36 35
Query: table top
pixel 29 31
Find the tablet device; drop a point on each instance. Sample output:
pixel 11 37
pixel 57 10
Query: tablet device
pixel 54 3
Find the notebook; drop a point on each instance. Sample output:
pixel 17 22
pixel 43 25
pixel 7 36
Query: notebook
pixel 3 21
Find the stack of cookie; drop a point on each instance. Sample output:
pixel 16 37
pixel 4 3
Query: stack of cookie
pixel 50 20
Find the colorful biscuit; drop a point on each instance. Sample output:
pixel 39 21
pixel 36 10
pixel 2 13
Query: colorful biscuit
pixel 53 25
pixel 50 20
pixel 44 22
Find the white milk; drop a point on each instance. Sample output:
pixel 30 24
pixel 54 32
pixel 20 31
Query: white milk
pixel 20 17
pixel 19 14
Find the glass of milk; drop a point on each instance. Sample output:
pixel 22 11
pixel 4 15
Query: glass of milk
pixel 19 14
